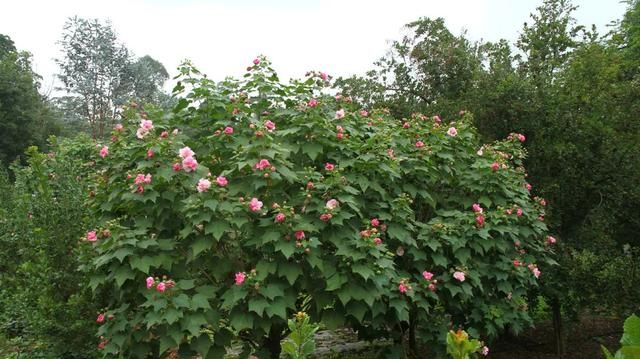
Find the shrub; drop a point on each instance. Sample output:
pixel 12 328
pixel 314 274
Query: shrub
pixel 254 199
pixel 45 299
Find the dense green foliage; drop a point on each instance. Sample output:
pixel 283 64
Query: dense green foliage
pixel 45 301
pixel 574 94
pixel 630 341
pixel 25 117
pixel 367 221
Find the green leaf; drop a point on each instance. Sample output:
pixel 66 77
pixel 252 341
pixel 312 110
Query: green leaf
pixel 217 228
pixel 312 149
pixel 202 345
pixel 278 309
pixel 257 305
pixel 335 282
pixel 122 274
pixel 287 248
pixel 140 263
pixel 289 270
pixel 166 342
pixel 200 301
pixel 463 255
pixel 332 319
pixel 200 245
pixel 122 253
pixel 631 335
pixel 240 320
pixel 272 290
pixel 265 268
pixel 181 301
pixel 172 315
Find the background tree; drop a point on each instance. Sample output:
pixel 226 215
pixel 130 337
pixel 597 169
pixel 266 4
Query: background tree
pixel 25 116
pixel 100 75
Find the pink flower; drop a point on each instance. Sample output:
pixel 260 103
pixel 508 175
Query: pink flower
pixel 262 164
pixel 164 134
pixel 256 61
pixel 150 282
pixel 437 119
pixel 329 166
pixel 432 287
pixel 104 151
pixel 100 318
pixel 203 185
pixel 280 217
pixel 323 76
pixel 141 132
pixel 516 263
pixel 240 277
pixel 150 153
pixel 402 288
pixel 427 275
pixel 365 233
pixel 269 125
pixel 377 241
pixel 161 287
pixel 519 212
pixel 141 178
pixel 118 127
pixel 452 131
pixel 406 125
pixel 477 208
pixel 326 217
pixel 521 138
pixel 186 152
pixel 419 144
pixel 485 350
pixel 375 222
pixel 177 167
pixel 189 164
pixel 479 221
pixel 338 97
pixel 255 205
pixel 364 113
pixel 228 130
pixel 221 181
pixel 536 272
pixel 495 166
pixel 551 240
pixel 331 204
pixel 339 114
pixel 299 235
pixel 459 276
pixel 508 211
pixel 310 185
pixel 175 132
pixel 528 186
pixel 146 124
pixel 312 103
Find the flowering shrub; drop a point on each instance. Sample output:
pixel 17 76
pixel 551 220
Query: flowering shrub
pixel 261 199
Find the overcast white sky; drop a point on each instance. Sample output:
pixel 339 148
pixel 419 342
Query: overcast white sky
pixel 341 37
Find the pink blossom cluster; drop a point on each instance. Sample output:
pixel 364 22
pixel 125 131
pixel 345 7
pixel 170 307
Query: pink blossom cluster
pixel 404 286
pixel 432 282
pixel 161 286
pixel 189 162
pixel 140 180
pixel 145 127
pixel 460 276
pixel 104 151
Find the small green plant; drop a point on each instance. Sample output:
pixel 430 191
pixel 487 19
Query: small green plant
pixel 459 346
pixel 630 341
pixel 300 343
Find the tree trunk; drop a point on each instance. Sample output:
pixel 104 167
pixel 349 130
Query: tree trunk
pixel 272 342
pixel 557 326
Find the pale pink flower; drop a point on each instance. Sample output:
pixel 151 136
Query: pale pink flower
pixel 339 135
pixel 375 222
pixel 175 132
pixel 485 350
pixel 262 164
pixel 495 166
pixel 280 217
pixel 551 240
pixel 377 241
pixel 186 152
pixel 150 153
pixel 427 275
pixel 221 181
pixel 477 208
pixel 331 204
pixel 528 186
pixel 310 185
pixel 536 272
pixel 479 220
pixel 255 205
pixel 364 113
pixel 452 131
pixel 519 212
pixel 177 167
pixel 256 61
pixel 299 235
pixel 161 287
pixel 329 166
pixel 104 151
pixel 437 119
pixel 406 125
pixel 326 217
pixel 118 127
pixel 189 164
pixel 228 130
pixel 240 277
pixel 100 318
pixel 146 124
pixel 164 134
pixel 92 236
pixel 432 287
pixel 339 114
pixel 312 103
pixel 323 76
pixel 147 179
pixel 139 178
pixel 459 276
pixel 141 132
pixel 338 97
pixel 419 144
pixel 203 185
pixel 521 138
pixel 150 282
pixel 269 125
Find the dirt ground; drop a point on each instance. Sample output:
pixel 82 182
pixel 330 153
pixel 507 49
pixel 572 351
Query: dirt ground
pixel 583 341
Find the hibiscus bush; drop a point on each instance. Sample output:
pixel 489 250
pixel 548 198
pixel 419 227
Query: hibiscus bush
pixel 254 199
